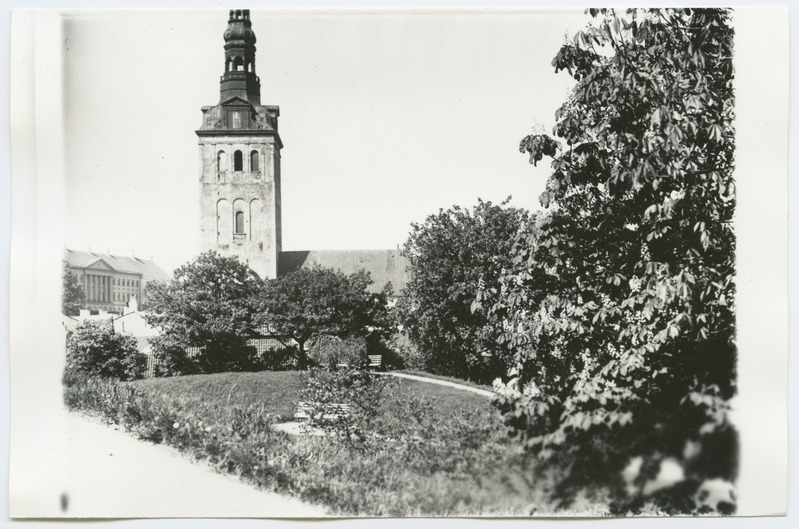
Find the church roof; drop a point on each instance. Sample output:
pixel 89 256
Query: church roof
pixel 126 265
pixel 384 266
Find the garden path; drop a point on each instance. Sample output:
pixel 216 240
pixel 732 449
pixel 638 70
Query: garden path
pixel 479 391
pixel 110 474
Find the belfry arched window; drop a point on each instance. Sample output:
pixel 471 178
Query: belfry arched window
pixel 239 222
pixel 237 161
pixel 254 161
pixel 221 161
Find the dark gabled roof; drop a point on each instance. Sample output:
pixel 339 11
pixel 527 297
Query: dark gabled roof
pixel 127 265
pixel 383 265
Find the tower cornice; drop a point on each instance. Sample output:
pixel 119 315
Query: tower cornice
pixel 208 133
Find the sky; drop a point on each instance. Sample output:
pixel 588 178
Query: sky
pixel 385 119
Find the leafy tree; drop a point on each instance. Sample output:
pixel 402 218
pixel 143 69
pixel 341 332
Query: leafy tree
pixel 94 349
pixel 454 254
pixel 316 301
pixel 620 306
pixel 73 296
pixel 205 316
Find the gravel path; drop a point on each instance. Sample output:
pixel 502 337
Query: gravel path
pixel 482 392
pixel 110 474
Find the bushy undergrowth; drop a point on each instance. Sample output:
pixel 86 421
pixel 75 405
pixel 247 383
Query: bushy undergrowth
pixel 361 392
pixel 95 349
pixel 431 450
pixel 328 351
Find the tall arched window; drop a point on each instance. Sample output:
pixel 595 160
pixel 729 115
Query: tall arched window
pixel 237 161
pixel 221 161
pixel 254 161
pixel 239 222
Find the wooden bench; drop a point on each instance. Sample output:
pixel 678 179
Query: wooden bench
pixel 375 361
pixel 330 412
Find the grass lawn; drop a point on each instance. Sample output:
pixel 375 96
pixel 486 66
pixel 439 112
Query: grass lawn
pixel 277 391
pixel 433 450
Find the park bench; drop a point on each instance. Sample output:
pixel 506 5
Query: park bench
pixel 375 361
pixel 330 412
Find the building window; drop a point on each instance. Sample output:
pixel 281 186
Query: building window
pixel 221 161
pixel 239 222
pixel 237 161
pixel 254 161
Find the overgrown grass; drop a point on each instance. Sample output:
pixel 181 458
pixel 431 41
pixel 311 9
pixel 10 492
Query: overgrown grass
pixel 435 450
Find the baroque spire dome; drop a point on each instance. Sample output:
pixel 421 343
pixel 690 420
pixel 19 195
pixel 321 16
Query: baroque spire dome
pixel 239 78
pixel 239 30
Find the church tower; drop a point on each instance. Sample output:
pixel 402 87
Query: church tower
pixel 240 160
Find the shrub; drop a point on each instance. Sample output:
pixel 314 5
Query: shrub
pixel 95 349
pixel 328 351
pixel 407 354
pixel 362 391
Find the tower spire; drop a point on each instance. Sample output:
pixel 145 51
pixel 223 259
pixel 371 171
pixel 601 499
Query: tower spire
pixel 240 161
pixel 239 79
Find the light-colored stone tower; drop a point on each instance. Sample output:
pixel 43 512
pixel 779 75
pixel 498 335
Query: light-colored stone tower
pixel 240 160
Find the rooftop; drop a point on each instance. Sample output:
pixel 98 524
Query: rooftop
pixel 122 264
pixel 384 266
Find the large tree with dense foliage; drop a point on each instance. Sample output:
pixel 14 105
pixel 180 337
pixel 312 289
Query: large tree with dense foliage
pixel 322 301
pixel 207 309
pixel 453 254
pixel 620 305
pixel 73 297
